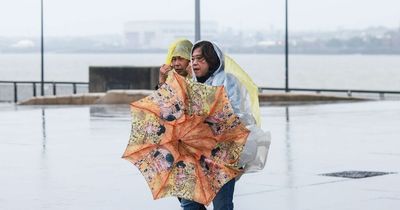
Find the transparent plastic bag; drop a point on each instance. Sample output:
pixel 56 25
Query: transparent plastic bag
pixel 255 152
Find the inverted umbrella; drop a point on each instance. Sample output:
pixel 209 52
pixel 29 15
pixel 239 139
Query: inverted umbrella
pixel 186 140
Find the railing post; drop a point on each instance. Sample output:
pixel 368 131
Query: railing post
pixel 381 96
pixel 54 89
pixel 74 87
pixel 15 92
pixel 349 93
pixel 34 89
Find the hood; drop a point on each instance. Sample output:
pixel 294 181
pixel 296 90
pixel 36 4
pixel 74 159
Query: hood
pixel 181 48
pixel 220 57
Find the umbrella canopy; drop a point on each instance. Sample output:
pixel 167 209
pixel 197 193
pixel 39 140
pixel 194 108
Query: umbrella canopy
pixel 186 140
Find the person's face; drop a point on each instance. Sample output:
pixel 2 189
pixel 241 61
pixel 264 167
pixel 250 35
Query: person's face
pixel 199 63
pixel 180 64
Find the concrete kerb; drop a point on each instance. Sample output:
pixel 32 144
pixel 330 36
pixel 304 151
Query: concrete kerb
pixel 127 96
pixel 76 99
pixel 123 96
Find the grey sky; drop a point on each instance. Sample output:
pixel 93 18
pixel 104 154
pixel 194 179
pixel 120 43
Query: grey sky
pixel 88 17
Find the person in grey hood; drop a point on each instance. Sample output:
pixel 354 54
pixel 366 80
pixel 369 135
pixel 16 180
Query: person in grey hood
pixel 207 65
pixel 210 66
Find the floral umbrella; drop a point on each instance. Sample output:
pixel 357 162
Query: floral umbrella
pixel 186 140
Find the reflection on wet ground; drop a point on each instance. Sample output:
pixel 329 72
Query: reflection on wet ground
pixel 68 157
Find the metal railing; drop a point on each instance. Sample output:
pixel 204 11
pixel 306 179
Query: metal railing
pixel 52 89
pixel 53 85
pixel 348 92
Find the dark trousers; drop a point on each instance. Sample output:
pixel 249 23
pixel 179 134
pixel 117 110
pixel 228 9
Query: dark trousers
pixel 222 201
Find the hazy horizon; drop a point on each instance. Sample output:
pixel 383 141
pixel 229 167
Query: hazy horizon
pixel 120 34
pixel 97 17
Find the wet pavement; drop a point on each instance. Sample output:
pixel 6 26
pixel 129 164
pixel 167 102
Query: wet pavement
pixel 68 157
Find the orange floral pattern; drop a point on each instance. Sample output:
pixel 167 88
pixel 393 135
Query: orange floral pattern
pixel 186 140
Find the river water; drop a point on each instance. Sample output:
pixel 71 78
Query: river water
pixel 370 72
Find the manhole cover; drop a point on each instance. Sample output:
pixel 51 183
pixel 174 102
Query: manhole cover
pixel 356 174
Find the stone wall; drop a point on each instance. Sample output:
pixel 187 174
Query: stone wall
pixel 102 79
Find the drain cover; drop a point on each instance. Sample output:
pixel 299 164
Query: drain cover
pixel 356 174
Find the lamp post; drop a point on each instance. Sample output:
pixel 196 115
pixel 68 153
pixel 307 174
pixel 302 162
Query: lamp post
pixel 197 20
pixel 286 48
pixel 41 52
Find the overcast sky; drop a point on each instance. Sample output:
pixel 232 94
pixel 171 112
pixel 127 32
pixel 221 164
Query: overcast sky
pixel 89 17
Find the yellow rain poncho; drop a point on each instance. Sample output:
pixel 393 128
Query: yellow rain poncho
pixel 232 67
pixel 181 48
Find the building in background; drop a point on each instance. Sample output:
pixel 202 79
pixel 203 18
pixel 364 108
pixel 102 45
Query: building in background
pixel 159 34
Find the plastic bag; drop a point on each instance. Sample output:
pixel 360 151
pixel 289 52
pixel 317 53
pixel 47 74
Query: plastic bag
pixel 255 152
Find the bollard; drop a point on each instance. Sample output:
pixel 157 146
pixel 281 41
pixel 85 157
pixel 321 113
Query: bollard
pixel 15 92
pixel 74 87
pixel 54 89
pixel 34 89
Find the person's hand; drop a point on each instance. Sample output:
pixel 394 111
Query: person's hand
pixel 164 69
pixel 189 71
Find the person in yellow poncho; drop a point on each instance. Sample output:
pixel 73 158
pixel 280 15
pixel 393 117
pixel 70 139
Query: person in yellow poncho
pixel 178 59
